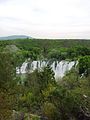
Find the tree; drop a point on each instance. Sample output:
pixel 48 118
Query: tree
pixel 37 82
pixel 84 65
pixel 49 110
pixel 39 79
pixel 7 69
pixel 7 83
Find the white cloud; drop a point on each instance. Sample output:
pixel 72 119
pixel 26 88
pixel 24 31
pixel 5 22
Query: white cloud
pixel 45 18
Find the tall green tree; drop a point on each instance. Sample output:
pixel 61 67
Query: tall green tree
pixel 7 84
pixel 84 65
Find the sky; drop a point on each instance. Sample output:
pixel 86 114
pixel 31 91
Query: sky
pixel 45 18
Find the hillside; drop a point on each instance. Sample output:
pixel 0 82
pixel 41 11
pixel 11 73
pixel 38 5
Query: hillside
pixel 13 37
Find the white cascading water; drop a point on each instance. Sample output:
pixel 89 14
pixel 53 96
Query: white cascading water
pixel 23 68
pixel 59 68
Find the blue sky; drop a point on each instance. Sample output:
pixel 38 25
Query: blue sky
pixel 45 18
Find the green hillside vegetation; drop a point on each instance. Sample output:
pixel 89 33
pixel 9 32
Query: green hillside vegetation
pixel 40 96
pixel 50 49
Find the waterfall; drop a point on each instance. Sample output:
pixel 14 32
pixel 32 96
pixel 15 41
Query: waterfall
pixel 59 68
pixel 22 69
pixel 62 68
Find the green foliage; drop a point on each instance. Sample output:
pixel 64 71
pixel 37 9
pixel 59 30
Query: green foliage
pixel 34 117
pixel 7 69
pixel 84 65
pixel 38 80
pixel 49 110
pixel 58 49
pixel 40 96
pixel 7 84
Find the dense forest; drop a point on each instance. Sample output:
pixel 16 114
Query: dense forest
pixel 40 96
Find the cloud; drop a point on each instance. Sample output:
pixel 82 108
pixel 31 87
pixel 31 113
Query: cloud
pixel 3 1
pixel 46 18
